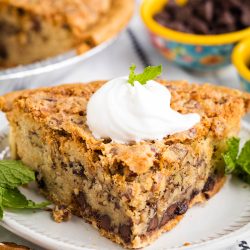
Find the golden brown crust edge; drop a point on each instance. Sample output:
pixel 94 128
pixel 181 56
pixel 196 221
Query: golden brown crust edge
pixel 112 23
pixel 8 99
pixel 220 108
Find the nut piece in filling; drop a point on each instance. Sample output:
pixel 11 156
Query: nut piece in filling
pixel 131 192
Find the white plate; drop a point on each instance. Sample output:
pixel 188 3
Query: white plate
pixel 216 224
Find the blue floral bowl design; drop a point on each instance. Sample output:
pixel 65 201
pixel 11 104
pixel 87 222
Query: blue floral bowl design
pixel 195 52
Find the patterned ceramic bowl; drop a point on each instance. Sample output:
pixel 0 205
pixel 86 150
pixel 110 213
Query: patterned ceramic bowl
pixel 196 52
pixel 241 60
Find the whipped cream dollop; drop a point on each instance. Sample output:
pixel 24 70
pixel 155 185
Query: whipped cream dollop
pixel 128 113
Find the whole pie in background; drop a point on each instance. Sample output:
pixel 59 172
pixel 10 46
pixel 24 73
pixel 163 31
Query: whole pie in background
pixel 34 30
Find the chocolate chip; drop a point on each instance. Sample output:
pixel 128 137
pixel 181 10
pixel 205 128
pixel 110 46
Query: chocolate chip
pixel 104 222
pixel 117 168
pixel 63 133
pixel 79 172
pixel 82 113
pixel 125 232
pixel 107 140
pixel 207 196
pixel 209 185
pixel 80 200
pixel 168 214
pixel 40 181
pixel 20 11
pixel 96 155
pixel 117 205
pixel 7 28
pixel 208 10
pixel 206 16
pixel 66 26
pixel 131 176
pixel 36 24
pixel 181 208
pixel 194 193
pixel 245 18
pixel 3 52
pixel 153 224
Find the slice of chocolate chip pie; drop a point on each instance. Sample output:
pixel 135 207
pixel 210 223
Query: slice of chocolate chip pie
pixel 132 192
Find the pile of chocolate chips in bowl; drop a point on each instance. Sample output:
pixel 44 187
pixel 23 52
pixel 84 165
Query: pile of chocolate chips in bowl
pixel 206 16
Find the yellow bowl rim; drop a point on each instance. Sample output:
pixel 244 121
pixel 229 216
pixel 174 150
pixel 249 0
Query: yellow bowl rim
pixel 240 55
pixel 227 38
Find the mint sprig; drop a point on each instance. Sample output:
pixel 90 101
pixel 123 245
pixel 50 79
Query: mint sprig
pixel 230 156
pixel 237 162
pixel 12 175
pixel 149 73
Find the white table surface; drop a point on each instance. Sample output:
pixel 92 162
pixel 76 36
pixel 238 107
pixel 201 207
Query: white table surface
pixel 115 61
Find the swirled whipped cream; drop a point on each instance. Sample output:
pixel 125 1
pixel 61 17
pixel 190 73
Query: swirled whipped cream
pixel 125 113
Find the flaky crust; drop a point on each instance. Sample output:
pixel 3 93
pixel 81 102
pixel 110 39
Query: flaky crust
pixel 220 108
pixel 92 20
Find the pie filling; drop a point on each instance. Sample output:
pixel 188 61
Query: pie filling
pixel 70 175
pixel 25 38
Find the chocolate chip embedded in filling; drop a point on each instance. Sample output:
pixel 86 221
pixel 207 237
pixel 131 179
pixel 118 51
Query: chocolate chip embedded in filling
pixel 209 185
pixel 181 208
pixel 40 181
pixel 168 215
pixel 80 200
pixel 174 210
pixel 36 24
pixel 194 193
pixel 3 52
pixel 125 232
pixel 104 222
pixel 7 28
pixel 153 224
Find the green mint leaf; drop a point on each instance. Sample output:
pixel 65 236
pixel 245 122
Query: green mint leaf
pixel 149 73
pixel 230 156
pixel 244 158
pixel 33 205
pixel 13 198
pixel 131 77
pixel 1 203
pixel 14 174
